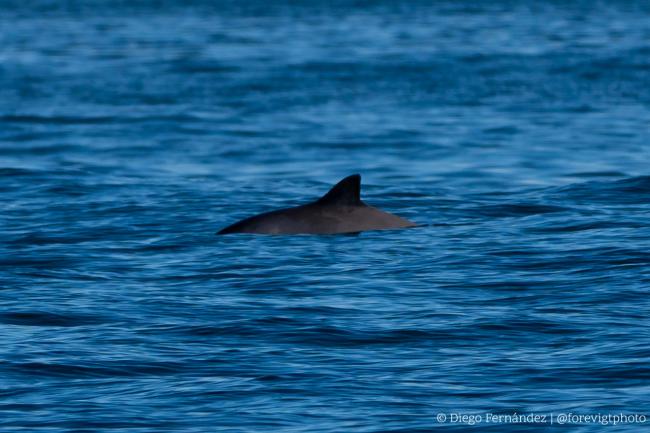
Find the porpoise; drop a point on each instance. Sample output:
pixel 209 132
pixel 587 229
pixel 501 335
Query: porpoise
pixel 339 211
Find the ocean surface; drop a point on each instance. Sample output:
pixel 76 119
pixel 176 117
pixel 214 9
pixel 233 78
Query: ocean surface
pixel 516 133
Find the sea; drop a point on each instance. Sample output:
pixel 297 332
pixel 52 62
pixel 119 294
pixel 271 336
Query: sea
pixel 516 134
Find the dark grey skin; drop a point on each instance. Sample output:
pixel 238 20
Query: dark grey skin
pixel 339 211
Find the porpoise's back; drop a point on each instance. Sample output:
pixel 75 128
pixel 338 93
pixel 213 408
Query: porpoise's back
pixel 339 211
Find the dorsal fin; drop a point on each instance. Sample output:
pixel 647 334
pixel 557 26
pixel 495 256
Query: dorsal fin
pixel 345 193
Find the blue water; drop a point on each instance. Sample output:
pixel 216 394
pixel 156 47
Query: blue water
pixel 517 133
